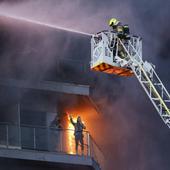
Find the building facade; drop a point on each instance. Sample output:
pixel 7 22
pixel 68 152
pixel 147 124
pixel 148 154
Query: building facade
pixel 44 76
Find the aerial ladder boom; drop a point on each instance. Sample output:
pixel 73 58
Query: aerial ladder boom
pixel 123 57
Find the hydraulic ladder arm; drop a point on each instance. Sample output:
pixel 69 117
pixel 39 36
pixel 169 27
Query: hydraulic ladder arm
pixel 113 55
pixel 151 83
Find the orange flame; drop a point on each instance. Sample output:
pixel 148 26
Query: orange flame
pixel 89 119
pixel 70 136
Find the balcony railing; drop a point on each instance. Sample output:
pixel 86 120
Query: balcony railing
pixel 47 139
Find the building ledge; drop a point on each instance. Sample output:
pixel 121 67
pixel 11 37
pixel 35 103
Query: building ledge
pixel 75 161
pixel 52 86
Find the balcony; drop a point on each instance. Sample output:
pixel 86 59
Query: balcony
pixel 49 145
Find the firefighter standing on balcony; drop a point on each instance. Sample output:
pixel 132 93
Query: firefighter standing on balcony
pixel 121 30
pixel 78 132
pixel 55 134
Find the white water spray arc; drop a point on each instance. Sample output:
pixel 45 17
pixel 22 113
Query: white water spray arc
pixel 45 24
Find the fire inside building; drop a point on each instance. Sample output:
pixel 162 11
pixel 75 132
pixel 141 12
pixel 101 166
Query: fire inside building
pixel 51 102
pixel 41 85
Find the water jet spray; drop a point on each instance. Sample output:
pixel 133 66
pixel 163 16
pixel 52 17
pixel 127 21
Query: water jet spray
pixel 45 24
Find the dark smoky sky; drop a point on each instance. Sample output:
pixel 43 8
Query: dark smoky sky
pixel 146 18
pixel 138 139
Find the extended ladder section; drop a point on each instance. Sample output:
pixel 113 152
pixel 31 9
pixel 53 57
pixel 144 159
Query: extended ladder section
pixel 151 83
pixel 127 54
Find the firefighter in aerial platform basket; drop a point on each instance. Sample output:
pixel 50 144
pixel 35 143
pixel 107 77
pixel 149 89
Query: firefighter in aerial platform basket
pixel 78 133
pixel 122 32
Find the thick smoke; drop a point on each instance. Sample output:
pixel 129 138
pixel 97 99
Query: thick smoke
pixel 137 138
pixel 77 14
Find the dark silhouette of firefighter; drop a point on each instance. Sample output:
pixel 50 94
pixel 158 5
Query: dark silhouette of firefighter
pixel 56 123
pixel 78 133
pixel 122 32
pixel 55 134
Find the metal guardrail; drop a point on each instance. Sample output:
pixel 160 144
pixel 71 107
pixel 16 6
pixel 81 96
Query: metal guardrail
pixel 47 139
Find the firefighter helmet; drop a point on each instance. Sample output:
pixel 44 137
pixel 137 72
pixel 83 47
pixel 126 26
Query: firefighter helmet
pixel 113 22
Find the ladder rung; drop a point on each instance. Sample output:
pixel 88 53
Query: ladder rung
pixel 155 98
pixel 166 100
pixel 165 115
pixel 157 84
pixel 145 81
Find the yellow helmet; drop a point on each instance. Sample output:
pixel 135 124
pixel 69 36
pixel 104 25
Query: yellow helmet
pixel 113 22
